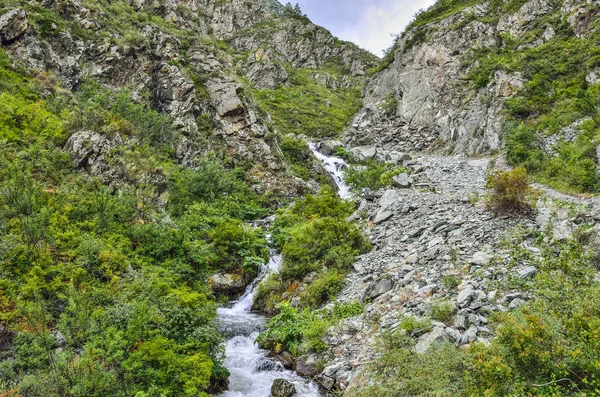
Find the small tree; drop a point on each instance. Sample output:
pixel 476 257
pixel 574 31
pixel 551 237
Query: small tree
pixel 510 192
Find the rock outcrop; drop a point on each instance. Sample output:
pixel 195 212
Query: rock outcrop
pixel 428 99
pixel 188 60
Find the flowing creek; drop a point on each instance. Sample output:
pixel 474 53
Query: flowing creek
pixel 252 370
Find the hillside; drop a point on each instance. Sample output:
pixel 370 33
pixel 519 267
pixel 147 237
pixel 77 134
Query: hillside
pixel 209 197
pixel 136 152
pixel 474 77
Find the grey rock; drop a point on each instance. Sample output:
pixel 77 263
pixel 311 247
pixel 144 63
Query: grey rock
pixel 382 216
pixel 307 365
pixel 378 288
pixel 229 283
pixel 282 388
pixel 480 258
pixel 402 181
pixel 469 336
pixel 12 25
pixel 436 336
pixel 527 272
pixel 516 303
pixel 465 297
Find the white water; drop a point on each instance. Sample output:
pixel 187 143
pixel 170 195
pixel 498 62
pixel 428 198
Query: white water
pixel 335 166
pixel 252 371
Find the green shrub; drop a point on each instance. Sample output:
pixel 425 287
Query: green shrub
pixel 302 331
pixel 306 107
pixel 511 192
pixel 371 174
pixel 415 327
pixel 401 372
pixel 451 281
pixel 524 149
pixel 442 311
pixel 323 289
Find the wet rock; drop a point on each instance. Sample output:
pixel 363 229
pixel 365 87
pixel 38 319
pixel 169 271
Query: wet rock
pixel 286 359
pixel 307 365
pixel 282 388
pixel 12 25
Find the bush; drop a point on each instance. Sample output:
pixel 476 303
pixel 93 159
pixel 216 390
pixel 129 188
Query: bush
pixel 323 289
pixel 371 174
pixel 511 192
pixel 302 331
pixel 442 311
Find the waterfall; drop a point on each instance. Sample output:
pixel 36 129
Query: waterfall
pixel 252 371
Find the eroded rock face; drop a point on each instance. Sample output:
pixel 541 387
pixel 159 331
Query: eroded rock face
pixel 12 25
pixel 434 104
pixel 89 149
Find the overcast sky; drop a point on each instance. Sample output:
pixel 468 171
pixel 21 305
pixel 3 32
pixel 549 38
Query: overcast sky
pixel 368 23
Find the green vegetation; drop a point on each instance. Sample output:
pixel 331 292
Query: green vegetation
pixel 443 311
pixel 370 174
pixel 303 106
pixel 302 331
pixel 549 347
pixel 318 245
pixel 103 290
pixel 511 192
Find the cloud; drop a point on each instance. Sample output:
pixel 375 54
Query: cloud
pixel 379 20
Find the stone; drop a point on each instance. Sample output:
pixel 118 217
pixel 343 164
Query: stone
pixel 286 359
pixel 527 272
pixel 469 336
pixel 225 98
pixel 402 181
pixel 378 288
pixel 480 258
pixel 382 216
pixel 516 303
pixel 12 25
pixel 229 283
pixel 435 337
pixel 307 365
pixel 282 388
pixel 465 297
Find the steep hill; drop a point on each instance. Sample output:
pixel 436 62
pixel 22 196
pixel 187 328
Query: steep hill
pixel 476 76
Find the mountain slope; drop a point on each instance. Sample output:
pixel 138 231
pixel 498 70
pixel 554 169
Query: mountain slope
pixel 474 77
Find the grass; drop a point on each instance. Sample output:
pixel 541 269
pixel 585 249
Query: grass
pixel 306 107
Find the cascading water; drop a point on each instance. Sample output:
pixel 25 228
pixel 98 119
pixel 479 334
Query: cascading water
pixel 335 166
pixel 252 371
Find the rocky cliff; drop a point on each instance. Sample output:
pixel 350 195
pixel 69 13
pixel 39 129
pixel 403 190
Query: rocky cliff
pixel 195 61
pixel 456 74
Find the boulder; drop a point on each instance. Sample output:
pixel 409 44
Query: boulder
pixel 382 216
pixel 12 25
pixel 480 258
pixel 88 150
pixel 282 388
pixel 307 365
pixel 378 288
pixel 402 181
pixel 229 283
pixel 436 336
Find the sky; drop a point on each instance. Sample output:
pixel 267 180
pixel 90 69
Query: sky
pixel 368 23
